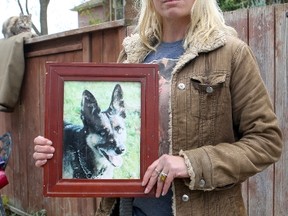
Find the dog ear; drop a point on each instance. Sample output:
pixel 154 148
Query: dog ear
pixel 117 102
pixel 89 106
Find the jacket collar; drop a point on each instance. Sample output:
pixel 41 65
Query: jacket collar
pixel 136 51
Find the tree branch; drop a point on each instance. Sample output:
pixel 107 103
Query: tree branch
pixel 36 30
pixel 26 5
pixel 20 6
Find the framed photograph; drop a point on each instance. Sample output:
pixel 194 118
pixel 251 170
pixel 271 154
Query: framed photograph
pixel 103 122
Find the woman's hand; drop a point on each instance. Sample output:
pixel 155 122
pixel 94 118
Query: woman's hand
pixel 43 150
pixel 162 172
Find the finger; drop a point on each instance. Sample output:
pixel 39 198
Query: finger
pixel 159 188
pixel 40 163
pixel 40 140
pixel 167 184
pixel 149 172
pixel 152 181
pixel 44 149
pixel 157 172
pixel 42 156
pixel 161 182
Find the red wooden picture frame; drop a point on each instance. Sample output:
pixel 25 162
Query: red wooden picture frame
pixel 73 171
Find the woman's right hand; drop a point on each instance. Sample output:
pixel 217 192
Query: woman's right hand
pixel 43 150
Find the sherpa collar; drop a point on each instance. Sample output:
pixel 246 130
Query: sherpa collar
pixel 136 51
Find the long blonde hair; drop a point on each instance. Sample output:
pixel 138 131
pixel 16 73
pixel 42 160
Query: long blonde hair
pixel 206 18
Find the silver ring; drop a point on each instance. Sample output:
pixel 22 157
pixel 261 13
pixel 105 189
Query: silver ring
pixel 157 171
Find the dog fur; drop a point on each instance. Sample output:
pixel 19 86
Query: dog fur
pixel 93 150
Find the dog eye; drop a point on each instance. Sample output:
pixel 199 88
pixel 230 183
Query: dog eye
pixel 103 133
pixel 118 129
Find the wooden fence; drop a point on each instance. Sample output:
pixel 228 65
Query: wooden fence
pixel 265 29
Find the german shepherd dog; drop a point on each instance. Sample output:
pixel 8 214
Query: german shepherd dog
pixel 93 150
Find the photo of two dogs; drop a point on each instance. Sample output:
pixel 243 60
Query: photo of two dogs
pixel 93 149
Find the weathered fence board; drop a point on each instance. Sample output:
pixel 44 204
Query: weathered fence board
pixel 264 29
pixel 281 107
pixel 240 24
pixel 261 41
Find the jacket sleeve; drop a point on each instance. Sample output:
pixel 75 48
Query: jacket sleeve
pixel 259 141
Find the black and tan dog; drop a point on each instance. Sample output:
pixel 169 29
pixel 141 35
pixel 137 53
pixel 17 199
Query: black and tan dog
pixel 96 148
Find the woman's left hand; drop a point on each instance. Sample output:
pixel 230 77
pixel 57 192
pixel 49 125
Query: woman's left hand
pixel 162 172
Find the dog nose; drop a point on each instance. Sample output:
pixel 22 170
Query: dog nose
pixel 120 150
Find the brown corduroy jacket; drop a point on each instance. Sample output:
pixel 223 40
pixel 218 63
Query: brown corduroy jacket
pixel 222 122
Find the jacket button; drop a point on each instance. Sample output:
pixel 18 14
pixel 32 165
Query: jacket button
pixel 202 183
pixel 181 86
pixel 185 198
pixel 209 89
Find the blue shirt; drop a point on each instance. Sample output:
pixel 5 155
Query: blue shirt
pixel 166 55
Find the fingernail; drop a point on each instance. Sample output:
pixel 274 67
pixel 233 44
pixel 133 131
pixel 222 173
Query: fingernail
pixel 49 156
pixel 146 191
pixel 49 142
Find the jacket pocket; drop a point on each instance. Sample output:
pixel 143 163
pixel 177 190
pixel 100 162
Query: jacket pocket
pixel 208 95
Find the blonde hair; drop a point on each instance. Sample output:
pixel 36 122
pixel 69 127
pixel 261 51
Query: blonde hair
pixel 206 18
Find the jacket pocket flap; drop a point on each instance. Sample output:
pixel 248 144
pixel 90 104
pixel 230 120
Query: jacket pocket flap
pixel 203 82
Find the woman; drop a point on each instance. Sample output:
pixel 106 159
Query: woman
pixel 217 123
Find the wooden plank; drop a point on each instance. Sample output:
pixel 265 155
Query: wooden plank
pixel 30 118
pixel 50 44
pixel 16 155
pixel 261 40
pixel 14 176
pixel 50 51
pixel 281 107
pixel 97 47
pixel 122 33
pixel 70 206
pixel 28 125
pixel 240 24
pixel 111 48
pixel 78 31
pixel 87 48
pixel 87 206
